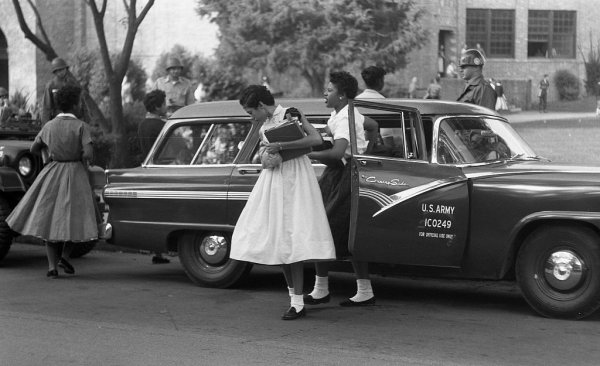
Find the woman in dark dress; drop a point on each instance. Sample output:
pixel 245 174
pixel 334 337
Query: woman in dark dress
pixel 335 184
pixel 59 206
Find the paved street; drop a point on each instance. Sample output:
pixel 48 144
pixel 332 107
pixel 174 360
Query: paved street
pixel 121 310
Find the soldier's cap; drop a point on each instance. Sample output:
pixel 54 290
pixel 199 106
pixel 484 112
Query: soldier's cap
pixel 3 92
pixel 58 64
pixel 174 62
pixel 471 57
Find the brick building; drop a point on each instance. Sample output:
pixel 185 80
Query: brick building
pixel 70 25
pixel 522 39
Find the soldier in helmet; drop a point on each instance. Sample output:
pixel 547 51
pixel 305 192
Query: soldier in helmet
pixel 61 77
pixel 478 90
pixel 177 88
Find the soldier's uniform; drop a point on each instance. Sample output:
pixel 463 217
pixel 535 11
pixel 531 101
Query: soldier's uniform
pixel 478 90
pixel 49 107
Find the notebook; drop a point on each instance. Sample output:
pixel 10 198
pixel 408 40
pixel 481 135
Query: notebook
pixel 287 131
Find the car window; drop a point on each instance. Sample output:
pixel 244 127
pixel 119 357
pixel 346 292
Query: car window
pixel 196 143
pixel 223 143
pixel 180 144
pixel 470 140
pixel 396 135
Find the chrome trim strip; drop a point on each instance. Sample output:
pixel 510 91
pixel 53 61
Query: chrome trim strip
pixel 176 195
pixel 380 198
pixel 419 190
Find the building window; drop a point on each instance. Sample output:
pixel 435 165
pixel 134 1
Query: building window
pixel 551 34
pixel 493 30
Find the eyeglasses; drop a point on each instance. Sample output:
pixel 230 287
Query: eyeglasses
pixel 4 96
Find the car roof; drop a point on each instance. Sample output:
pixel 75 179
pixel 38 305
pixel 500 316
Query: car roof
pixel 316 106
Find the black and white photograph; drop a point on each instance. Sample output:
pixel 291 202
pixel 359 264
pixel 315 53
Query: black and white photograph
pixel 308 182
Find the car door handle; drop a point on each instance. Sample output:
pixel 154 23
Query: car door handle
pixel 248 171
pixel 365 162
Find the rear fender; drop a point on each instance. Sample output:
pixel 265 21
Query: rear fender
pixel 531 222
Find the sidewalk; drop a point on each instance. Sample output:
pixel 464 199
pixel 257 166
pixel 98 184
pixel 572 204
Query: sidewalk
pixel 535 116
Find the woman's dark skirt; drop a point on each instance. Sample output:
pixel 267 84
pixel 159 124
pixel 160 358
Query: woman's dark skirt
pixel 335 184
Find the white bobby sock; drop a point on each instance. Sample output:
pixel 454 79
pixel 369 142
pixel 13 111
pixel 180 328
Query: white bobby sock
pixel 297 301
pixel 321 288
pixel 364 291
pixel 291 291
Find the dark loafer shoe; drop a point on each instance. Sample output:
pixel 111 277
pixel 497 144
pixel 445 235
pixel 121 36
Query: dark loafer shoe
pixel 349 302
pixel 66 266
pixel 291 314
pixel 309 300
pixel 52 273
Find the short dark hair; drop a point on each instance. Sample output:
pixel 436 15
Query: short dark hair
pixel 254 94
pixel 154 100
pixel 67 97
pixel 344 82
pixel 372 75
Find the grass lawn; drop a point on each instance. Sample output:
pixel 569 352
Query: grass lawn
pixel 565 141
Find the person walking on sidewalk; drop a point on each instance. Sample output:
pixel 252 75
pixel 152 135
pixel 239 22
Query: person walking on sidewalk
pixel 543 93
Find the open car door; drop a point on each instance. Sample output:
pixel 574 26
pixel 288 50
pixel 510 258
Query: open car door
pixel 405 209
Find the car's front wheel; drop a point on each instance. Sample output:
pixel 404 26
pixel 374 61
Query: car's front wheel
pixel 205 259
pixel 6 236
pixel 558 271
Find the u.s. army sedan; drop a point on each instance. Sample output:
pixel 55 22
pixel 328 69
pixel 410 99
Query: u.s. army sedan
pixel 445 189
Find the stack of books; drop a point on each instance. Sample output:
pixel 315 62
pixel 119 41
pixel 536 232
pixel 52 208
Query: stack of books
pixel 287 131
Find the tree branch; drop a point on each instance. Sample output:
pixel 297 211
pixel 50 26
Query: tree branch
pixel 103 11
pixel 144 12
pixel 133 25
pixel 126 6
pixel 99 25
pixel 39 23
pixel 46 48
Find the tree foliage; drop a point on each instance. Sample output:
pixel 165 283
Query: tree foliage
pixel 567 84
pixel 592 68
pixel 315 36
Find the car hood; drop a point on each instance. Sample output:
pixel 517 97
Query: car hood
pixel 544 170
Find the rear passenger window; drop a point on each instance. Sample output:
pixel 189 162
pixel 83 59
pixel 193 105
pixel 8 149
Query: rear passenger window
pixel 194 144
pixel 223 143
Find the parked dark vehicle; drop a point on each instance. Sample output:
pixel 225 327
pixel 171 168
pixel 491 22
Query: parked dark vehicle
pixel 449 190
pixel 18 169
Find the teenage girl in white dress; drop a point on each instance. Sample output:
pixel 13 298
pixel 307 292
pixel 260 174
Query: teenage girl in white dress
pixel 284 221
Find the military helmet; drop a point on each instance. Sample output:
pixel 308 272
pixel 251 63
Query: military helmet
pixel 3 91
pixel 174 62
pixel 58 64
pixel 471 57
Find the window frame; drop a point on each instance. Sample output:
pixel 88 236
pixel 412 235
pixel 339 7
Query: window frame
pixel 552 18
pixel 211 123
pixel 487 37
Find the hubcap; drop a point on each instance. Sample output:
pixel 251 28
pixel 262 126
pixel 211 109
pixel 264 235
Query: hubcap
pixel 564 270
pixel 213 249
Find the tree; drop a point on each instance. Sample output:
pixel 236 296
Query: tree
pixel 592 67
pixel 93 114
pixel 115 71
pixel 314 36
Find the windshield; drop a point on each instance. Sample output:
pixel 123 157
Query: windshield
pixel 468 140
